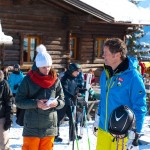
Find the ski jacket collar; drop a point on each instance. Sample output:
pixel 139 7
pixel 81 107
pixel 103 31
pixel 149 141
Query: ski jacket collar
pixel 69 75
pixel 17 72
pixel 124 65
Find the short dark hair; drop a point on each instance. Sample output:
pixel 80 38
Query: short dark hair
pixel 117 45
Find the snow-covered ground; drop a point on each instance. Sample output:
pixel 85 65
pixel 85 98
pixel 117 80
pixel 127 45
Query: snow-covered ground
pixel 16 137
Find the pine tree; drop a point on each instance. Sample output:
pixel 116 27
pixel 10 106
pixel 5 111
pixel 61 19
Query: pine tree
pixel 133 40
pixel 135 47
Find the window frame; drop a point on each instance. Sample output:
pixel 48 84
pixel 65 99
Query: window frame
pixel 73 49
pixel 99 50
pixel 29 37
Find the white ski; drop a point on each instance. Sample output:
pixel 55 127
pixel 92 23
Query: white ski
pixel 88 85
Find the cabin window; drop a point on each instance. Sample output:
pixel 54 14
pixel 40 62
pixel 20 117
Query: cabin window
pixel 29 48
pixel 99 42
pixel 73 47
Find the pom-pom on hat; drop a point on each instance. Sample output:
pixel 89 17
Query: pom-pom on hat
pixel 42 58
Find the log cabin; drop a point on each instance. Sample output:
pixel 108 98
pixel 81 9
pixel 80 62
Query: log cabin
pixel 71 30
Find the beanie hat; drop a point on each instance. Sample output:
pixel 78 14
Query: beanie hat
pixel 43 58
pixel 73 67
pixel 17 66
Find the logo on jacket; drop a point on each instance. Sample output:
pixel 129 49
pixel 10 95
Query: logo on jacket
pixel 119 81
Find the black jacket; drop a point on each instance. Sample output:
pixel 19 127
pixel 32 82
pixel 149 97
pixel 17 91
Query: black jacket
pixel 69 85
pixel 6 99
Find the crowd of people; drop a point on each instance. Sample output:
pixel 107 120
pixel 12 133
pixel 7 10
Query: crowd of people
pixel 46 103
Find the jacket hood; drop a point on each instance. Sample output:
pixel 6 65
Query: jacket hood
pixel 133 62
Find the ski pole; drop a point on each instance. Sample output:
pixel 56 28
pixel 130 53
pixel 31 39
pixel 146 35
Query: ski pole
pixel 74 131
pixel 82 124
pixel 86 128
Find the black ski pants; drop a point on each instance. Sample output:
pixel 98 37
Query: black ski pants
pixel 66 110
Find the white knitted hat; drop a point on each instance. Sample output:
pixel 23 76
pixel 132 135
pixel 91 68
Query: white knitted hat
pixel 42 58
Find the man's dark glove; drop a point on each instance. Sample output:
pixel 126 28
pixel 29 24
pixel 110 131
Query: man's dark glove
pixel 16 86
pixel 82 103
pixel 82 90
pixel 7 124
pixel 74 99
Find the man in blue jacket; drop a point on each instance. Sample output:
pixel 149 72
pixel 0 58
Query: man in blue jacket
pixel 121 84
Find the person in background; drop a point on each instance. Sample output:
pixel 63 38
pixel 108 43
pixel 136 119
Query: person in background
pixel 40 120
pixel 15 79
pixel 61 74
pixel 139 68
pixel 6 99
pixel 142 65
pixel 69 85
pixel 5 71
pixel 121 84
pixel 93 76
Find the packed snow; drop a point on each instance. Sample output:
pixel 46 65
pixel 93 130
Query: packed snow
pixel 16 137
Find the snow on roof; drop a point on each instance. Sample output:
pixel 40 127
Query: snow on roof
pixel 122 10
pixel 4 39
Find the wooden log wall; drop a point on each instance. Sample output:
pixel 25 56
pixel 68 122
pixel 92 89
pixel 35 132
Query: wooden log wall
pixel 38 20
pixel 53 25
pixel 87 36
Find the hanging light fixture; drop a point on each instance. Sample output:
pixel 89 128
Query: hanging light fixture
pixel 4 39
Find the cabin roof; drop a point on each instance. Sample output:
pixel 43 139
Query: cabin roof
pixel 91 10
pixel 94 12
pixel 84 7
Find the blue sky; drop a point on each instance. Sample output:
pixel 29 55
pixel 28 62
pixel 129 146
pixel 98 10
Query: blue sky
pixel 145 4
pixel 146 38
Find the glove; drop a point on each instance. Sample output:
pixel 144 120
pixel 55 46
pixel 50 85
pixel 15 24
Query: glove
pixel 82 90
pixel 74 100
pixel 16 86
pixel 95 124
pixel 133 138
pixel 7 124
pixel 82 103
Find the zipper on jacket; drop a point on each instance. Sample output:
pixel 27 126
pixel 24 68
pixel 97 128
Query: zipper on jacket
pixel 109 86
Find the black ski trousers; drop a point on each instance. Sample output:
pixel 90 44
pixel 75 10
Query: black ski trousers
pixel 67 110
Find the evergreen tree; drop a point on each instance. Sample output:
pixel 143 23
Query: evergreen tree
pixel 135 47
pixel 133 40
